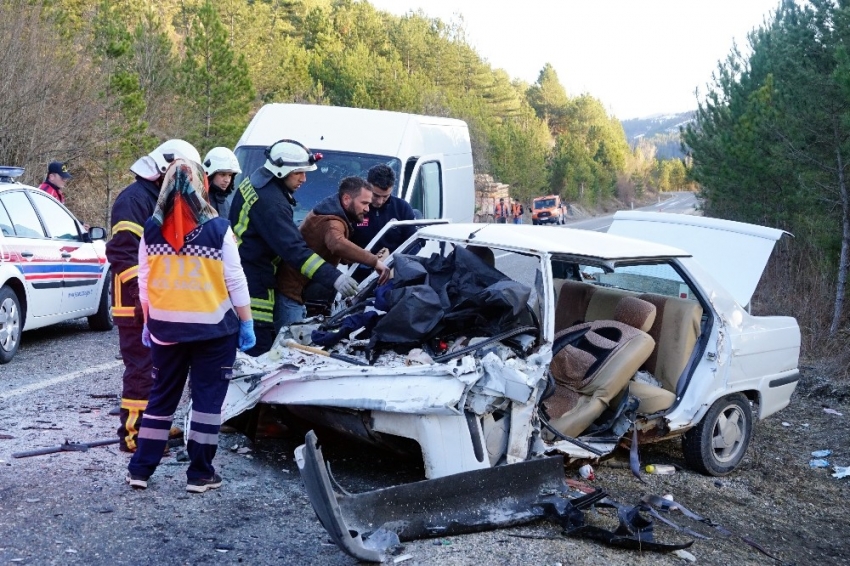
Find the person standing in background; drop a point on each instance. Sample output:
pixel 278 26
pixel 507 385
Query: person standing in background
pixel 54 183
pixel 221 167
pixel 197 311
pixel 501 212
pixel 517 212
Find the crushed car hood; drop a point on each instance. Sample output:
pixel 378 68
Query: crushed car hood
pixel 733 252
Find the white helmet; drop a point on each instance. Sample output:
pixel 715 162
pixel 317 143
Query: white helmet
pixel 221 159
pixel 171 150
pixel 289 156
pixel 154 164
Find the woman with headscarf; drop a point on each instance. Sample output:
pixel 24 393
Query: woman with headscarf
pixel 197 312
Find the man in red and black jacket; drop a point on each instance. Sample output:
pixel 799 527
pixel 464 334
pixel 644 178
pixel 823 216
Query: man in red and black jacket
pixel 54 183
pixel 134 205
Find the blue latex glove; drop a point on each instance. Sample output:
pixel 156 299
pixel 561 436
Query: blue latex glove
pixel 247 339
pixel 146 336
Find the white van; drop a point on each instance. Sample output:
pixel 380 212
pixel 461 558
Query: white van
pixel 431 156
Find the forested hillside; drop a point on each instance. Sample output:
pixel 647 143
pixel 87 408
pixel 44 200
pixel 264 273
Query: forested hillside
pixel 98 83
pixel 771 145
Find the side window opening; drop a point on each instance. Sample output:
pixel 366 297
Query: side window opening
pixel 427 193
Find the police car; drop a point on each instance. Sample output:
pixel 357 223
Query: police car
pixel 50 269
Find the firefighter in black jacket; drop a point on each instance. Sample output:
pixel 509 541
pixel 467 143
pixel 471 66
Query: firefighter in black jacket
pixel 134 205
pixel 261 216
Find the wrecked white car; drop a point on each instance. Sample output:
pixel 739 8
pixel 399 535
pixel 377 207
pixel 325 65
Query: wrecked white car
pixel 497 344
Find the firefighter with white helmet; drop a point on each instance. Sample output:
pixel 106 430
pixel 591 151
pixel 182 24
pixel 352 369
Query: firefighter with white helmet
pixel 134 205
pixel 221 167
pixel 262 219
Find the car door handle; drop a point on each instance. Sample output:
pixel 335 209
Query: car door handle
pixel 26 254
pixel 65 255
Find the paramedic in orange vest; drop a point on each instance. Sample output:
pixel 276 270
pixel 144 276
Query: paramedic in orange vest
pixel 197 312
pixel 501 212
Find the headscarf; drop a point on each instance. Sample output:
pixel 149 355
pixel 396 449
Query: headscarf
pixel 183 203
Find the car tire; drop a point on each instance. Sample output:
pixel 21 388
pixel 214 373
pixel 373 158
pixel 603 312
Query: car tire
pixel 102 319
pixel 11 324
pixel 718 443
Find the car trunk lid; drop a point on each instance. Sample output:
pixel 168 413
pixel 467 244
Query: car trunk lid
pixel 734 253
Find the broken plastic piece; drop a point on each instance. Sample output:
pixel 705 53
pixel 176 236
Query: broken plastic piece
pixel 660 469
pixel 818 463
pixel 821 453
pixel 832 412
pixel 841 471
pixel 586 472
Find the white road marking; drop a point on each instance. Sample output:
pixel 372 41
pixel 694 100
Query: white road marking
pixel 60 378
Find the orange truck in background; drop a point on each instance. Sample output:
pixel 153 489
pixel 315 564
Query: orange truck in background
pixel 548 210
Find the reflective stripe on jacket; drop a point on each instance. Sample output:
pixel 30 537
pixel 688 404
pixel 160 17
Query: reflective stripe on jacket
pixel 131 210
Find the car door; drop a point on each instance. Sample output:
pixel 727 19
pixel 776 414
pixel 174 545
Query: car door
pixel 38 258
pixel 82 268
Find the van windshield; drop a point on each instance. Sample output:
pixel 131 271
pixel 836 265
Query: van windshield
pixel 544 203
pixel 333 168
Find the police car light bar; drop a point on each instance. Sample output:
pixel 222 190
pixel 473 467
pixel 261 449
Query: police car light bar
pixel 8 174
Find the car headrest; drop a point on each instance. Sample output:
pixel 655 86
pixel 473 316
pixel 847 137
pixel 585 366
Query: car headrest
pixel 635 312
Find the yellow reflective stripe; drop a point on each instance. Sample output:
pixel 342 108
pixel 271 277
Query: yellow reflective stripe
pixel 263 309
pixel 250 197
pixel 128 274
pixel 116 291
pixel 262 315
pixel 123 311
pixel 129 226
pixel 140 404
pixel 309 267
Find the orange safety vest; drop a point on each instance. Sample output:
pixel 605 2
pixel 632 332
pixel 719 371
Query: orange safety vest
pixel 517 210
pixel 501 210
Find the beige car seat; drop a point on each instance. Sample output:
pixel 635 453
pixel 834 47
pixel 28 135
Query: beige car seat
pixel 597 363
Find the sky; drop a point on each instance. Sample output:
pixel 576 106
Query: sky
pixel 639 57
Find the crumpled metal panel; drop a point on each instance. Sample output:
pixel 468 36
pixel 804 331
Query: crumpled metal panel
pixel 368 525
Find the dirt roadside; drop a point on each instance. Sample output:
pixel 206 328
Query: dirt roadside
pixel 74 507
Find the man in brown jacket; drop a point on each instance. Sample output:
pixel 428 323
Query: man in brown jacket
pixel 327 230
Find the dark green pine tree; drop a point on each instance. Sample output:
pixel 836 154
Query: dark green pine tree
pixel 215 82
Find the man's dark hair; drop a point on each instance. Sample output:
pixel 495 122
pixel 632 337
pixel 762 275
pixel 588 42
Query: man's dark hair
pixel 352 186
pixel 382 176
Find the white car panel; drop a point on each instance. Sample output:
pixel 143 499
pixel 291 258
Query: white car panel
pixel 55 271
pixel 735 253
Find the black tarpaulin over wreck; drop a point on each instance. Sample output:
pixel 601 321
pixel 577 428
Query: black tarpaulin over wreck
pixel 447 296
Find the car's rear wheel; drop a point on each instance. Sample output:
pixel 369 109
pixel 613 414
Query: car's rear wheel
pixel 718 443
pixel 102 319
pixel 11 324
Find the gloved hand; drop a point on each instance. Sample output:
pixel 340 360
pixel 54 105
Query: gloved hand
pixel 345 285
pixel 146 336
pixel 247 338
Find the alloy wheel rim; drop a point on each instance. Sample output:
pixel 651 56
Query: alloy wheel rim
pixel 729 433
pixel 9 325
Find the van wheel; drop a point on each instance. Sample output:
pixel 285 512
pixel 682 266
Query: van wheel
pixel 10 324
pixel 718 443
pixel 102 319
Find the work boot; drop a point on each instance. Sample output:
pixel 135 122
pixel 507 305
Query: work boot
pixel 201 485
